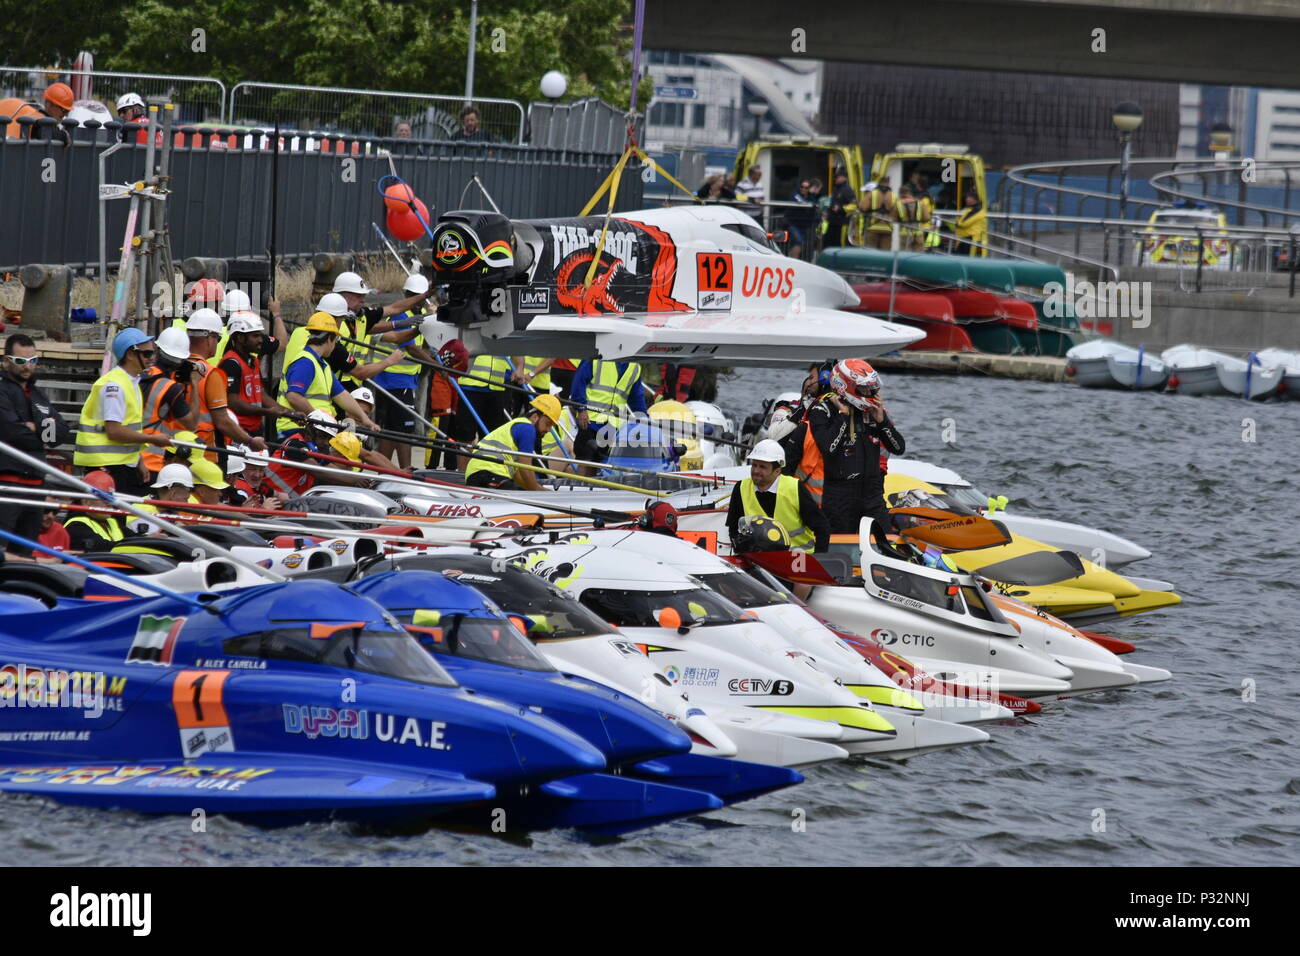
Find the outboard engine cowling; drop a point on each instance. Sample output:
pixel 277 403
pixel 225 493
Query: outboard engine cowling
pixel 473 255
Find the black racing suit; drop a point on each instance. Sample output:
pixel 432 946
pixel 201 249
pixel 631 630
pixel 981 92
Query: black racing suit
pixel 850 443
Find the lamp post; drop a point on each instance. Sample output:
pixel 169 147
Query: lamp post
pixel 757 110
pixel 1127 117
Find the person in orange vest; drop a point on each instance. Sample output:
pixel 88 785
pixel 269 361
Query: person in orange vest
pixel 57 104
pixel 205 329
pixel 167 387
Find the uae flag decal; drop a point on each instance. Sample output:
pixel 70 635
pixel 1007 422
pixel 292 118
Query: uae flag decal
pixel 155 640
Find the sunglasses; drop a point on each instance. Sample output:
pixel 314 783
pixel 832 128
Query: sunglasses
pixel 20 361
pixel 146 353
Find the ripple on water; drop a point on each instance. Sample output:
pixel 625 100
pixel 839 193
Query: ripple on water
pixel 1186 773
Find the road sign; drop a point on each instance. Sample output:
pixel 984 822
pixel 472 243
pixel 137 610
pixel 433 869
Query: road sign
pixel 676 93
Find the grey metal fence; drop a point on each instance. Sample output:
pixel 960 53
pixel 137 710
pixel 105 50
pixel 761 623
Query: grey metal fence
pixel 221 202
pixel 590 124
pixel 198 99
pixel 369 112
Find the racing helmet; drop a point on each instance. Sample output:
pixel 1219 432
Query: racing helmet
pixel 855 381
pixel 660 516
pixel 760 533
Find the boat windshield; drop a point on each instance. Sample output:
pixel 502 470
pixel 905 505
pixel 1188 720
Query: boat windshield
pixel 352 646
pixel 980 606
pixel 481 639
pixel 741 589
pixel 918 587
pixel 624 608
pixel 549 613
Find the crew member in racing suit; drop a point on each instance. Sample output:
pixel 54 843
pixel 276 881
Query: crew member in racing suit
pixel 850 429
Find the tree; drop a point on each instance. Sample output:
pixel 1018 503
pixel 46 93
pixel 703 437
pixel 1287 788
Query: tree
pixel 370 44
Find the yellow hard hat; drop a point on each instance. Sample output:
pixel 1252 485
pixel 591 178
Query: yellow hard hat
pixel 322 322
pixel 347 444
pixel 548 405
pixel 207 473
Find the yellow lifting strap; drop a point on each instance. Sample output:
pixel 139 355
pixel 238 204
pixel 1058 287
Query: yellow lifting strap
pixel 611 184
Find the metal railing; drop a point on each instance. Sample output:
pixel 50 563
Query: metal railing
pixel 197 98
pixel 369 112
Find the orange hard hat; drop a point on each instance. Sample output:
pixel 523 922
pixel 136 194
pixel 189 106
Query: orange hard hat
pixel 59 94
pixel 100 479
pixel 207 290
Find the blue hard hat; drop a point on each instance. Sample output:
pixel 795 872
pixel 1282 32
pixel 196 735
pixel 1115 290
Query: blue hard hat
pixel 128 338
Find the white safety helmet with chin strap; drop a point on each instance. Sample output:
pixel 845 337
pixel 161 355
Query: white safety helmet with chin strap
pixel 204 320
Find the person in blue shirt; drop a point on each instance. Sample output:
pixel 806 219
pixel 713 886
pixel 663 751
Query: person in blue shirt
pixel 297 390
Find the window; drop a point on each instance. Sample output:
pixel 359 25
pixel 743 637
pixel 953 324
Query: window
pixel 668 114
pixel 642 608
pixel 387 653
pixel 698 121
pixel 979 606
pixel 755 235
pixel 741 589
pixel 483 639
pixel 924 589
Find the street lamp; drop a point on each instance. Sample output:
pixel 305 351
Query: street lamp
pixel 1127 117
pixel 757 110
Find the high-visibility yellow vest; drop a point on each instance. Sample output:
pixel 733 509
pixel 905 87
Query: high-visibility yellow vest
pixel 607 392
pixel 494 368
pixel 787 510
pixel 93 448
pixel 541 381
pixel 108 529
pixel 497 438
pixel 401 368
pixel 318 392
pixel 293 349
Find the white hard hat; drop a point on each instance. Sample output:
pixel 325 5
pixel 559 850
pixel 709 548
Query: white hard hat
pixel 235 460
pixel 331 303
pixel 351 282
pixel 128 99
pixel 174 474
pixel 767 450
pixel 246 322
pixel 236 300
pixel 174 342
pixel 363 394
pixel 324 421
pixel 415 284
pixel 204 320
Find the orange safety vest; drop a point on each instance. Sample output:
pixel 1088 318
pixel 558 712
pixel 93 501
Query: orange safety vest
pixel 812 468
pixel 155 423
pixel 205 429
pixel 14 108
pixel 250 390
